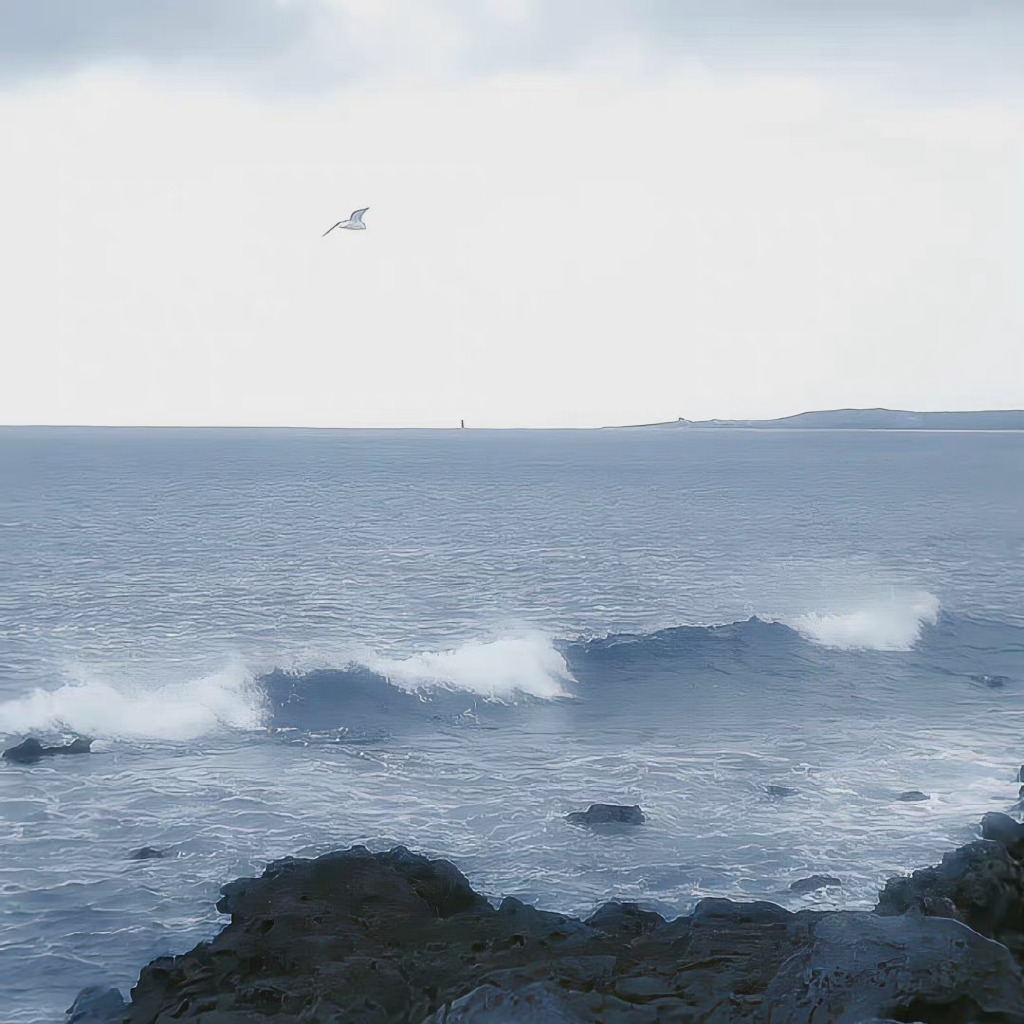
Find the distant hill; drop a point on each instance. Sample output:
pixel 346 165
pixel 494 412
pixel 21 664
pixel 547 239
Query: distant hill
pixel 866 419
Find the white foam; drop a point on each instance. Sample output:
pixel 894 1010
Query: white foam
pixel 95 707
pixel 887 624
pixel 498 669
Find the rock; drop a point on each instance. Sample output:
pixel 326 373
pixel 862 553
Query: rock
pixel 992 682
pixel 860 966
pixel 913 796
pixel 145 853
pixel 625 919
pixel 1001 828
pixel 814 882
pixel 1020 774
pixel 394 938
pixel 717 911
pixel 982 881
pixel 97 1005
pixel 607 814
pixel 539 1003
pixel 31 750
pixel 780 791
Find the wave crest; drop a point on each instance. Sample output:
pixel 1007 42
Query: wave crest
pixel 498 669
pixel 178 711
pixel 893 624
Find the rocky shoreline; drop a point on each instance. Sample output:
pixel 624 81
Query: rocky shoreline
pixel 392 937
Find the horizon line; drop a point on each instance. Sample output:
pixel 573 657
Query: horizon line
pixel 461 425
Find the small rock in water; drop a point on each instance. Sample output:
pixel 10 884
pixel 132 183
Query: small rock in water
pixel 1020 774
pixel 96 1005
pixel 913 796
pixel 992 682
pixel 606 814
pixel 814 883
pixel 1002 829
pixel 145 853
pixel 31 750
pixel 780 791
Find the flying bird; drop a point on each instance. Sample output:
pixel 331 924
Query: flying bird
pixel 354 223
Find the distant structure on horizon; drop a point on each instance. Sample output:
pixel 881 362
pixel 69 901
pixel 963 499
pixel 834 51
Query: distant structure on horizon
pixel 862 419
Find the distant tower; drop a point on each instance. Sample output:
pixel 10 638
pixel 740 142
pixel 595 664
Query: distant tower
pixel 462 424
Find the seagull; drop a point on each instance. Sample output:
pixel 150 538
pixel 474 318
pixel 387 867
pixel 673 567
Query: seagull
pixel 354 223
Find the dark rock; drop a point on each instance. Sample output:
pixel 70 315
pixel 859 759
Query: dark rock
pixel 992 682
pixel 31 750
pixel 96 1005
pixel 394 938
pixel 913 796
pixel 814 882
pixel 146 853
pixel 607 814
pixel 780 791
pixel 625 919
pixel 713 910
pixel 1001 828
pixel 858 966
pixel 1020 774
pixel 982 881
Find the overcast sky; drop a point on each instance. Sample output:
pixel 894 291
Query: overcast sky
pixel 582 212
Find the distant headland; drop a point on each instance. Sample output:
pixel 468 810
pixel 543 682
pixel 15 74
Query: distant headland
pixel 863 419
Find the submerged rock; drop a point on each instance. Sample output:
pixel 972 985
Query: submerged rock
pixel 606 814
pixel 813 883
pixel 146 853
pixel 31 750
pixel 992 682
pixel 97 1005
pixel 913 796
pixel 780 791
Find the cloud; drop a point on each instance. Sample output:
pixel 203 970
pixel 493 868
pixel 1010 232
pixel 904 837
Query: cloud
pixel 49 37
pixel 319 44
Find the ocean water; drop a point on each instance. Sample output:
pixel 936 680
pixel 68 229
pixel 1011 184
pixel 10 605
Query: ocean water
pixel 286 642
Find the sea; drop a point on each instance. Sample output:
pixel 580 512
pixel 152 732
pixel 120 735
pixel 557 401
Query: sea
pixel 285 642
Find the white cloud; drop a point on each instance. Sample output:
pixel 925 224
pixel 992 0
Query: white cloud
pixel 273 46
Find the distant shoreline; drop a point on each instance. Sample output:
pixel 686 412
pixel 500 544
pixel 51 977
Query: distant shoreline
pixel 991 420
pixel 859 419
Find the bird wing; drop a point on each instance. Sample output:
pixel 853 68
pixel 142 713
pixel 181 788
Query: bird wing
pixel 332 227
pixel 357 215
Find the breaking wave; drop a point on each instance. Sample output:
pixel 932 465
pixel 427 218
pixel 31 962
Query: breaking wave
pixel 375 694
pixel 894 624
pixel 93 706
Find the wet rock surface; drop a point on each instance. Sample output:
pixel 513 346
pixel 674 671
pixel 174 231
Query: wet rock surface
pixel 815 882
pixel 395 937
pixel 607 814
pixel 31 750
pixel 146 853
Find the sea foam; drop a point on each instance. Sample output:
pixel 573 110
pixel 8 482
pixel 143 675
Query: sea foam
pixel 500 669
pixel 887 624
pixel 94 706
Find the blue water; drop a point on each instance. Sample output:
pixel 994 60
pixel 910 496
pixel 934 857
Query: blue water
pixel 287 642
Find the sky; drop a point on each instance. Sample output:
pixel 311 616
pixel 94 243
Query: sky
pixel 582 212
